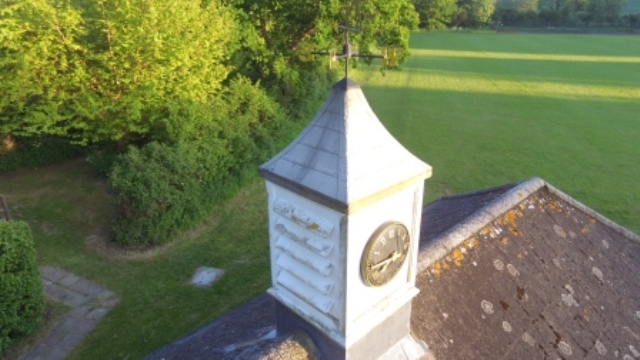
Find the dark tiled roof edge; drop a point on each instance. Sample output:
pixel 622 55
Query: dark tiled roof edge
pixel 442 245
pixel 453 238
pixel 601 218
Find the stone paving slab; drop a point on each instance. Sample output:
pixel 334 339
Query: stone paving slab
pixel 89 301
pixel 69 280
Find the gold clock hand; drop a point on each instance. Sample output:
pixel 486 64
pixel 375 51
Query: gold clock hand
pixel 392 257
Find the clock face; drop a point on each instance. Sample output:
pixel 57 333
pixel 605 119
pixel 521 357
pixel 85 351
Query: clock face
pixel 384 254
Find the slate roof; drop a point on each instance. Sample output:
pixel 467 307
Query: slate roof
pixel 521 271
pixel 532 274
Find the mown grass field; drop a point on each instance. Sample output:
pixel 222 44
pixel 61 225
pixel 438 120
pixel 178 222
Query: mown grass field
pixel 482 109
pixel 486 109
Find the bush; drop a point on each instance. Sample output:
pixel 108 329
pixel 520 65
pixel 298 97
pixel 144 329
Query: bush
pixel 102 157
pixel 33 153
pixel 164 188
pixel 21 299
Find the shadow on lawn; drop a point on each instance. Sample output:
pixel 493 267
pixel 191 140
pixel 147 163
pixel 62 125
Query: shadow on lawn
pixel 476 140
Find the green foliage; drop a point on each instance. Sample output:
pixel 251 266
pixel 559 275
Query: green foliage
pixel 513 17
pixel 102 156
pixel 435 14
pixel 581 12
pixel 21 299
pixel 33 153
pixel 526 6
pixel 633 20
pixel 99 70
pixel 304 89
pixel 164 188
pixel 96 70
pixel 42 71
pixel 439 14
pixel 473 13
pixel 558 13
pixel 160 190
pixel 604 11
pixel 632 7
pixel 242 113
pixel 275 32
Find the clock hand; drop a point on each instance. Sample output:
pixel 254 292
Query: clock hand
pixel 392 257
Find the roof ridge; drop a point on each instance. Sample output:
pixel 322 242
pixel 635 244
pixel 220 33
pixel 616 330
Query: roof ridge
pixel 479 192
pixel 589 211
pixel 446 242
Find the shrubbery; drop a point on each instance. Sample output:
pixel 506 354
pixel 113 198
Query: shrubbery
pixel 32 153
pixel 21 299
pixel 166 187
pixel 102 156
pixel 161 189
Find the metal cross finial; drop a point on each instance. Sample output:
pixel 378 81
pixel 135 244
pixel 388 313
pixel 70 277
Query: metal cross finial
pixel 390 55
pixel 348 54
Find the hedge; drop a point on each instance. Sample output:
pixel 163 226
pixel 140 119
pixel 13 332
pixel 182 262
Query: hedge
pixel 32 153
pixel 21 297
pixel 162 189
pixel 170 184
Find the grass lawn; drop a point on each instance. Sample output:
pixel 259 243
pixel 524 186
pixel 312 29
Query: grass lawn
pixel 486 109
pixel 68 210
pixel 483 109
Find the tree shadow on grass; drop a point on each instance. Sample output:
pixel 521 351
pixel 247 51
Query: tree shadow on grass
pixel 476 140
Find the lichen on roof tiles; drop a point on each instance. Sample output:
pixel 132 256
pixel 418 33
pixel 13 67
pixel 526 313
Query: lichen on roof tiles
pixel 542 280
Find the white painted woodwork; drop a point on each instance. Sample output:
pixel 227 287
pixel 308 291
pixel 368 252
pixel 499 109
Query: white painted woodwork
pixel 328 191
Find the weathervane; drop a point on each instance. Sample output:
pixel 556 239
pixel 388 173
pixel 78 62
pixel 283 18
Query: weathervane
pixel 390 55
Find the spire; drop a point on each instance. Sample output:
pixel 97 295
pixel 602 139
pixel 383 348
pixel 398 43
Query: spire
pixel 345 155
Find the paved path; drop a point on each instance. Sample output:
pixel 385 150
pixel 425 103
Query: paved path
pixel 89 302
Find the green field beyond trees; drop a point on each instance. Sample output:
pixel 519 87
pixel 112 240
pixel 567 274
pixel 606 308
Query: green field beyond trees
pixel 483 109
pixel 486 109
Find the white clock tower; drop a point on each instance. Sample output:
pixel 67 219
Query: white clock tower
pixel 345 201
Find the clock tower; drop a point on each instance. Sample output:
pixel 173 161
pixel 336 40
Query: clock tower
pixel 344 202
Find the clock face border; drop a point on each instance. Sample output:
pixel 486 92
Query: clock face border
pixel 391 260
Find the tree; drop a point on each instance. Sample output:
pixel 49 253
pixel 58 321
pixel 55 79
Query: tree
pixel 526 6
pixel 275 31
pixel 516 12
pixel 285 24
pixel 633 19
pixel 604 11
pixel 473 13
pixel 92 70
pixel 556 12
pixel 554 6
pixel 435 14
pixel 41 67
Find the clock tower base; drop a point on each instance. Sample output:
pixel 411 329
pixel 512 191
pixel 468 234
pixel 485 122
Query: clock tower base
pixel 390 339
